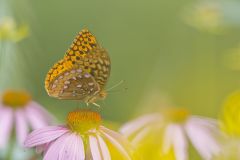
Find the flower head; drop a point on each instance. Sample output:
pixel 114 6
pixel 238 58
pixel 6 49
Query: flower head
pixel 172 129
pixel 17 108
pixel 230 115
pixel 9 31
pixel 82 138
pixel 230 126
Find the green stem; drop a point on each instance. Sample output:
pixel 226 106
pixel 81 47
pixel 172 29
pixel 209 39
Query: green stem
pixel 10 151
pixel 2 63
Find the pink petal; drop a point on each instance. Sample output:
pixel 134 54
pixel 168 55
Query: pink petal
pixel 104 149
pixel 73 148
pixel 168 138
pixel 140 136
pixel 44 135
pixel 130 128
pixel 118 141
pixel 94 147
pixel 43 148
pixel 21 126
pixel 202 139
pixel 80 153
pixel 36 117
pixel 180 143
pixel 47 116
pixel 174 137
pixel 55 148
pixel 6 123
pixel 204 121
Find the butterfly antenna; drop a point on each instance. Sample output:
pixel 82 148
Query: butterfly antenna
pixel 116 85
pixel 117 91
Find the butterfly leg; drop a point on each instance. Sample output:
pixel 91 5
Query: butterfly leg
pixel 95 104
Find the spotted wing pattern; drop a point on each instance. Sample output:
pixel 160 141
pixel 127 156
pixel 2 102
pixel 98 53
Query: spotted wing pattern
pixel 65 81
pixel 82 45
pixel 101 67
pixel 58 68
pixel 97 63
pixel 73 84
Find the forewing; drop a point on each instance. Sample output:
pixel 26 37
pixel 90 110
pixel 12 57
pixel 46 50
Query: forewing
pixel 82 45
pixel 58 69
pixel 87 54
pixel 97 63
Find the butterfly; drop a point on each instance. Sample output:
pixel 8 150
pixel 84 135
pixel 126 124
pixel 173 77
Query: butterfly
pixel 83 72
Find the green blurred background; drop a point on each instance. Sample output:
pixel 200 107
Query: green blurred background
pixel 151 48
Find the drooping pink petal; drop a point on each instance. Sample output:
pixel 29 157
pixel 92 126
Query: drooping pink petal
pixel 130 128
pixel 35 117
pixel 117 140
pixel 55 148
pixel 44 135
pixel 6 124
pixel 104 149
pixel 202 139
pixel 21 126
pixel 94 147
pixel 46 115
pixel 73 148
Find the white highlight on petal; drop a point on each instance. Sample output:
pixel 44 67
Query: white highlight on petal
pixel 6 124
pixel 104 149
pixel 202 138
pixel 21 126
pixel 96 155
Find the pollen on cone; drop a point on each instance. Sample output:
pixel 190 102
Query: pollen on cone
pixel 82 121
